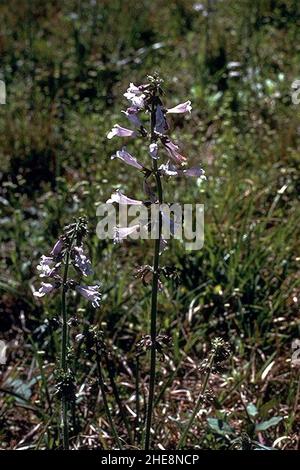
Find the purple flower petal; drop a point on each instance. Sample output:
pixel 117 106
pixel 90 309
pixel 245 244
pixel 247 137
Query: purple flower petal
pixel 81 261
pixel 90 293
pixel 56 250
pixel 127 158
pixel 123 232
pixel 195 171
pixel 171 170
pixel 153 150
pixel 168 170
pixel 120 132
pixel 45 288
pixel 47 267
pixel 135 95
pixel 161 125
pixel 120 198
pixel 181 108
pixel 173 151
pixel 131 114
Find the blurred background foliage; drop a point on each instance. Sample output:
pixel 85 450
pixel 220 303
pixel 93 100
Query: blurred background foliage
pixel 66 66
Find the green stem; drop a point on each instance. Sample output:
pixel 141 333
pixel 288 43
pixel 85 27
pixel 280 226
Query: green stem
pixel 155 280
pixel 137 399
pixel 64 346
pixel 198 403
pixel 105 403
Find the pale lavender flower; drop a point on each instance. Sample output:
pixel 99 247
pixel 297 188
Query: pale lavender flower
pixel 91 293
pixel 131 114
pixel 197 172
pixel 120 132
pixel 127 158
pixel 168 170
pixel 81 261
pixel 161 125
pixel 57 249
pixel 181 108
pixel 171 170
pixel 123 232
pixel 120 198
pixel 47 266
pixel 153 150
pixel 173 151
pixel 135 95
pixel 45 288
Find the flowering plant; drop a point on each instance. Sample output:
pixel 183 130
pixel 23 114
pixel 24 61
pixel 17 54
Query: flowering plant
pixel 147 99
pixel 68 250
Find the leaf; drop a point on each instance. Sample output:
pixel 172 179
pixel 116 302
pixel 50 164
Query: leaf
pixel 252 410
pixel 21 389
pixel 268 424
pixel 219 426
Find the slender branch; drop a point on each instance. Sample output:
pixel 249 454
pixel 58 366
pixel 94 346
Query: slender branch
pixel 137 399
pixel 155 280
pixel 198 403
pixel 64 346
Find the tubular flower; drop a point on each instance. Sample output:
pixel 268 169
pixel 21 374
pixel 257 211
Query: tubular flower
pixel 47 267
pixel 153 150
pixel 127 158
pixel 173 151
pixel 161 125
pixel 135 95
pixel 181 108
pixel 171 170
pixel 81 261
pixel 45 288
pixel 120 132
pixel 131 114
pixel 57 249
pixel 120 198
pixel 91 293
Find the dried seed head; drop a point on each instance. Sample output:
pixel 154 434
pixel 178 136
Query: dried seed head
pixel 65 385
pixel 145 343
pixel 221 350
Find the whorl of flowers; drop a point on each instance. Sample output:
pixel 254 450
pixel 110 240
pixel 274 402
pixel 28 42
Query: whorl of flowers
pixel 147 99
pixel 69 243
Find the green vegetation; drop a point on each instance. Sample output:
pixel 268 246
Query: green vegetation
pixel 66 66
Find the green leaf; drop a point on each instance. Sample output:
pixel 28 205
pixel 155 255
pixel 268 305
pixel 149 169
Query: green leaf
pixel 219 426
pixel 268 424
pixel 21 389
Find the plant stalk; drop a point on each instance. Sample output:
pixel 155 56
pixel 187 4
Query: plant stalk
pixel 64 346
pixel 198 403
pixel 153 332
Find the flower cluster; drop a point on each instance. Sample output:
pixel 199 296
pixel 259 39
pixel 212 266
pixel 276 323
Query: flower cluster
pixel 147 99
pixel 69 247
